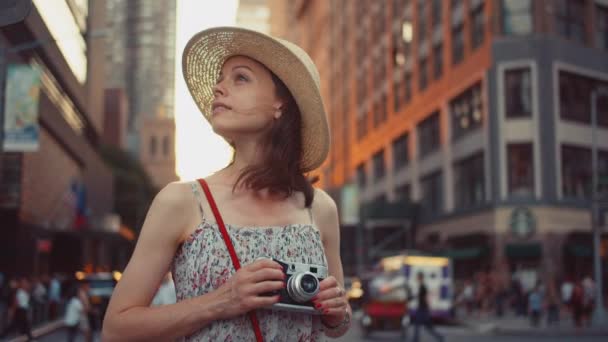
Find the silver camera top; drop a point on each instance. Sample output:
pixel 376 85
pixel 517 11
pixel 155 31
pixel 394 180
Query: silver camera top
pixel 294 267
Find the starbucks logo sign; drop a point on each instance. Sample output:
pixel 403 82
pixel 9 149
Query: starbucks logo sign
pixel 522 222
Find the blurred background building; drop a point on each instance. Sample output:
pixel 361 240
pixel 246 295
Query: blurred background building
pixel 56 193
pixel 254 15
pixel 476 112
pixel 140 58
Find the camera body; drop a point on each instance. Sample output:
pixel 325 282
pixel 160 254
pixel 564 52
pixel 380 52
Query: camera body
pixel 302 284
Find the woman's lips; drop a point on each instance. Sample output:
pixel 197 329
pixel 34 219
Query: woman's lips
pixel 220 109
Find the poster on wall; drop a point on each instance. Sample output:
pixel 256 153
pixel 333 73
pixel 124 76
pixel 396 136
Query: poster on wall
pixel 21 128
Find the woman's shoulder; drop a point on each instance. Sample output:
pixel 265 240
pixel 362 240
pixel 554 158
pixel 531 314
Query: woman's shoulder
pixel 175 194
pixel 325 212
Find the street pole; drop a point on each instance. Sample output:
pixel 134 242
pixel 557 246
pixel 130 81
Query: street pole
pixel 599 314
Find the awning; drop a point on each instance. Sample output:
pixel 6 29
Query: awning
pixel 524 250
pixel 464 253
pixel 579 250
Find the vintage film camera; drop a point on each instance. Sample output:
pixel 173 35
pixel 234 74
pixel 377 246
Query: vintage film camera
pixel 302 284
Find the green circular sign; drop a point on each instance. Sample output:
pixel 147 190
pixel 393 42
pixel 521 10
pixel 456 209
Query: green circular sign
pixel 522 222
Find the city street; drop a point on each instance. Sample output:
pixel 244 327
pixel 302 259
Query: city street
pixel 452 334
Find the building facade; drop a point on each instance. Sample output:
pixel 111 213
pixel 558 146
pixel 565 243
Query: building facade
pixel 56 196
pixel 141 59
pixel 476 110
pixel 254 15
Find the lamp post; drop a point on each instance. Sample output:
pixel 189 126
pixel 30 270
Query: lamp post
pixel 599 314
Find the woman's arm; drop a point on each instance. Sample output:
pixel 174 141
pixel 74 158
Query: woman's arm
pixel 129 316
pixel 335 305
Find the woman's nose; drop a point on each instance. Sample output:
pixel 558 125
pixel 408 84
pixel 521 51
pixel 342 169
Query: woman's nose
pixel 219 90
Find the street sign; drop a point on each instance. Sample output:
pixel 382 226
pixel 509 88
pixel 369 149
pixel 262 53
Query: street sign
pixel 14 11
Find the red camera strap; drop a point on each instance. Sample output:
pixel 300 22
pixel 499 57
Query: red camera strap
pixel 233 256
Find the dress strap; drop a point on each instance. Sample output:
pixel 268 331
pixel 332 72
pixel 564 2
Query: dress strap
pixel 197 195
pixel 235 259
pixel 312 219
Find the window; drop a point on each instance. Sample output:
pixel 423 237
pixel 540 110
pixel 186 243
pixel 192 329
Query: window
pixel 517 17
pixel 469 181
pixel 361 176
pixel 478 22
pixel 153 146
pixel 575 99
pixel 518 93
pixel 166 146
pixel 570 19
pixel 438 60
pixel 423 80
pixel 428 135
pixel 378 162
pixel 407 91
pixel 576 172
pixel 466 112
pixel 396 97
pixel 400 152
pixel 457 44
pixel 432 194
pixel 362 125
pixel 520 169
pixel 601 31
pixel 403 192
pixel 422 23
pixel 436 13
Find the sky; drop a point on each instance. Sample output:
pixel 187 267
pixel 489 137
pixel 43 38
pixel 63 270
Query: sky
pixel 199 151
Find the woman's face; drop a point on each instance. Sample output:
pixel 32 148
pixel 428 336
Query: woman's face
pixel 245 101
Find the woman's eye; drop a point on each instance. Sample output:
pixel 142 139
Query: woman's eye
pixel 240 77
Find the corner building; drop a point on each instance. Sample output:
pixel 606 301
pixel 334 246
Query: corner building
pixel 478 111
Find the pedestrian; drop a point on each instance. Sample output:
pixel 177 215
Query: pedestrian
pixel 422 315
pixel 553 303
pixel 566 293
pixel 535 305
pixel 577 303
pixel 20 311
pixel 39 301
pixel 86 323
pixel 54 297
pixel 75 316
pixel 588 299
pixel 468 295
pixel 262 95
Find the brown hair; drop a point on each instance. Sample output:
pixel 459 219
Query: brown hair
pixel 280 171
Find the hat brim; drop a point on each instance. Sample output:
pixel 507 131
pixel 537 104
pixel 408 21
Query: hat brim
pixel 207 51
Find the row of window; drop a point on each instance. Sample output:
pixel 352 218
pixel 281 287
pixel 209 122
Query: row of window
pixel 153 146
pixel 469 176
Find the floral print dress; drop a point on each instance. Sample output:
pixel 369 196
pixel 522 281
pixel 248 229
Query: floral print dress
pixel 202 264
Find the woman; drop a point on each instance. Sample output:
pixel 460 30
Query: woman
pixel 262 95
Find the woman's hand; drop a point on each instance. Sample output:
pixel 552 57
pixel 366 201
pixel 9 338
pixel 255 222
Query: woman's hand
pixel 331 301
pixel 247 289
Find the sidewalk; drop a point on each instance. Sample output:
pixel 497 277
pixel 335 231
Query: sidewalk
pixel 520 326
pixel 41 330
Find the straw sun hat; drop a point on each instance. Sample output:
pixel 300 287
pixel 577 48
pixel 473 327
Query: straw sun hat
pixel 207 51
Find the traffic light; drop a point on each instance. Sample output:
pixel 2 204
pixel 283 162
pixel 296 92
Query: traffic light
pixel 14 11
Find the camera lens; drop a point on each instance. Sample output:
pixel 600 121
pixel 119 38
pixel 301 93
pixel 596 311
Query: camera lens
pixel 302 286
pixel 309 283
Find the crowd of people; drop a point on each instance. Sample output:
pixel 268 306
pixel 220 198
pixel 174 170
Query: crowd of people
pixel 29 301
pixel 550 301
pixel 26 302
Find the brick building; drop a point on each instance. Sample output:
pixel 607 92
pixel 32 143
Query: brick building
pixel 478 111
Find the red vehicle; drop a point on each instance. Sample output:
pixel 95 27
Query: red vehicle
pixel 384 304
